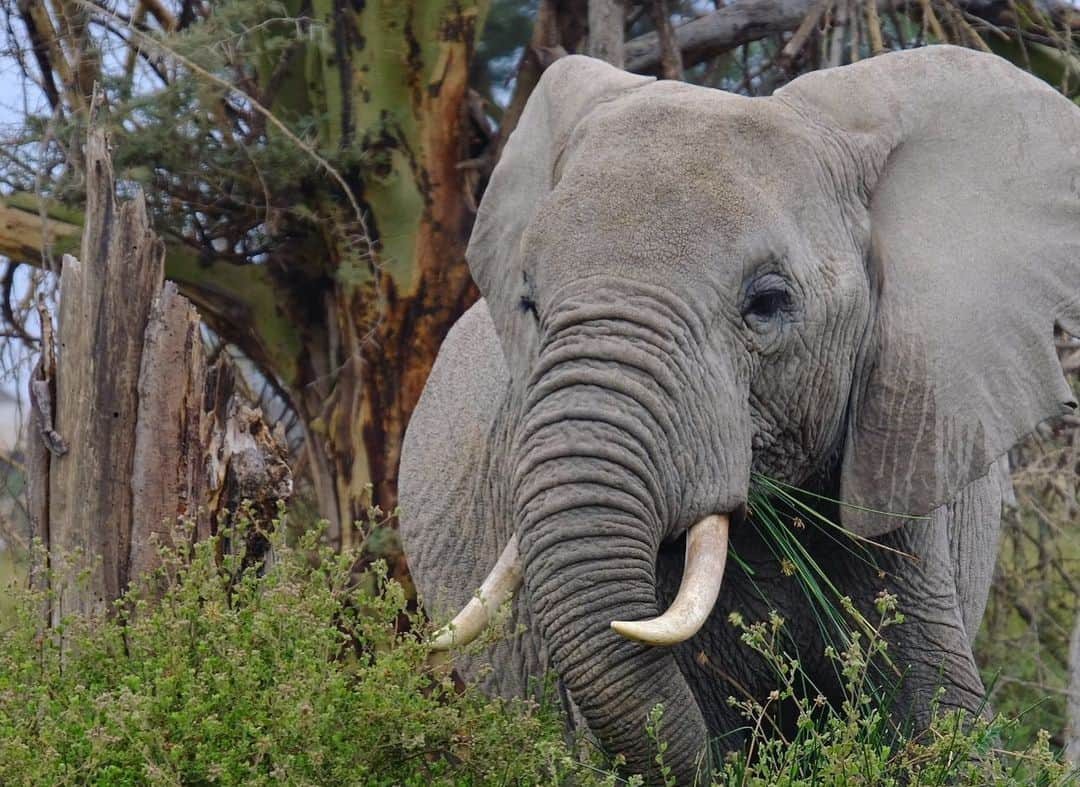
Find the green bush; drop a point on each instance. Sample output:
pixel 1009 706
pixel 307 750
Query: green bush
pixel 299 672
pixel 1023 647
pixel 296 674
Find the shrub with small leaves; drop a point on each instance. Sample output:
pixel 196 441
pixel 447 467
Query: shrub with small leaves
pixel 298 672
pixel 289 673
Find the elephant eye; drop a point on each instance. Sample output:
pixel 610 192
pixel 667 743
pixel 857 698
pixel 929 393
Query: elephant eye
pixel 767 298
pixel 767 304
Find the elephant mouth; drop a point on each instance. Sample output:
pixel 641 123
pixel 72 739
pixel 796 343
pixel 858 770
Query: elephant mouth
pixel 706 556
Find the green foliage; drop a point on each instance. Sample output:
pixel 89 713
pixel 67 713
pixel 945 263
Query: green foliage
pixel 300 672
pixel 1023 647
pixel 652 729
pixel 12 574
pixel 287 674
pixel 780 512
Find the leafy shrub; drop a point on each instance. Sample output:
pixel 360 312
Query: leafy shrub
pixel 300 673
pixel 294 674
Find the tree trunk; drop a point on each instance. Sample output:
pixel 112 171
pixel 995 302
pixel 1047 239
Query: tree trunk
pixel 105 304
pixel 347 313
pixel 130 430
pixel 395 88
pixel 606 41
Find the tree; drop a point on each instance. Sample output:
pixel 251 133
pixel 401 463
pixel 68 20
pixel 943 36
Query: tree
pixel 130 427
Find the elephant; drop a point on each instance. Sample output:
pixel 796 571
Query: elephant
pixel 850 286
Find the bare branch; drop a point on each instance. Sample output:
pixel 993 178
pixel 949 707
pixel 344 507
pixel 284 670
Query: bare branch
pixel 8 284
pixel 671 66
pixel 47 51
pixel 24 236
pixel 731 26
pixel 806 27
pixel 237 301
pixel 162 14
pixel 744 21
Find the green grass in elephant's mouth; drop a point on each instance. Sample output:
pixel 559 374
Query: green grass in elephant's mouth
pixel 781 514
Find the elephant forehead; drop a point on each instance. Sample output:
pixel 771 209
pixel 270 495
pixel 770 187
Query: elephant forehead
pixel 673 175
pixel 703 135
pixel 616 208
pixel 607 211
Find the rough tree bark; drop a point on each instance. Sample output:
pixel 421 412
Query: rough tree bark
pixel 130 430
pixel 363 371
pixel 105 303
pixel 199 451
pixel 606 21
pixel 671 66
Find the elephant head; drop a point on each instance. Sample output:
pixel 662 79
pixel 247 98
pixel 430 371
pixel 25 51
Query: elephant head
pixel 854 282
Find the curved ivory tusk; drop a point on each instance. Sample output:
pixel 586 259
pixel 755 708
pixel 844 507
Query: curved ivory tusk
pixel 498 586
pixel 706 553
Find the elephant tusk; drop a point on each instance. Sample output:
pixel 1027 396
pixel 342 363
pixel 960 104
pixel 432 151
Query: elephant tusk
pixel 498 586
pixel 706 553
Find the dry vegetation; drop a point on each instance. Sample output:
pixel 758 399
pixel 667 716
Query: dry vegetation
pixel 1023 648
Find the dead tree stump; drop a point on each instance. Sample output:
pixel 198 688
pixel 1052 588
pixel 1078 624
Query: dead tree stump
pixel 130 430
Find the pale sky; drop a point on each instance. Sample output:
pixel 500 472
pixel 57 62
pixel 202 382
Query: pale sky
pixel 17 97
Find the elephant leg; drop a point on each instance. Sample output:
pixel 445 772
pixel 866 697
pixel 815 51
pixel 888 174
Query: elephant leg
pixel 930 649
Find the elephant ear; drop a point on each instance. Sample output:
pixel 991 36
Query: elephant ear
pixel 971 171
pixel 524 177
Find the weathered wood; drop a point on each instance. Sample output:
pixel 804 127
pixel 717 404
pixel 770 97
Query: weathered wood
pixel 200 453
pixel 671 66
pixel 42 443
pixel 104 307
pixel 734 24
pixel 246 462
pixel 131 434
pixel 26 234
pixel 167 483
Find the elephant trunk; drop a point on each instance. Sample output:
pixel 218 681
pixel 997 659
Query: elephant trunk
pixel 598 485
pixel 577 585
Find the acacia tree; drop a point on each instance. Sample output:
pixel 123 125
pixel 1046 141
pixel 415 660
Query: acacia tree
pixel 314 165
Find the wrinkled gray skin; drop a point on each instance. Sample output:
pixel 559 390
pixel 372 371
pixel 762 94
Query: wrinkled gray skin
pixel 851 285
